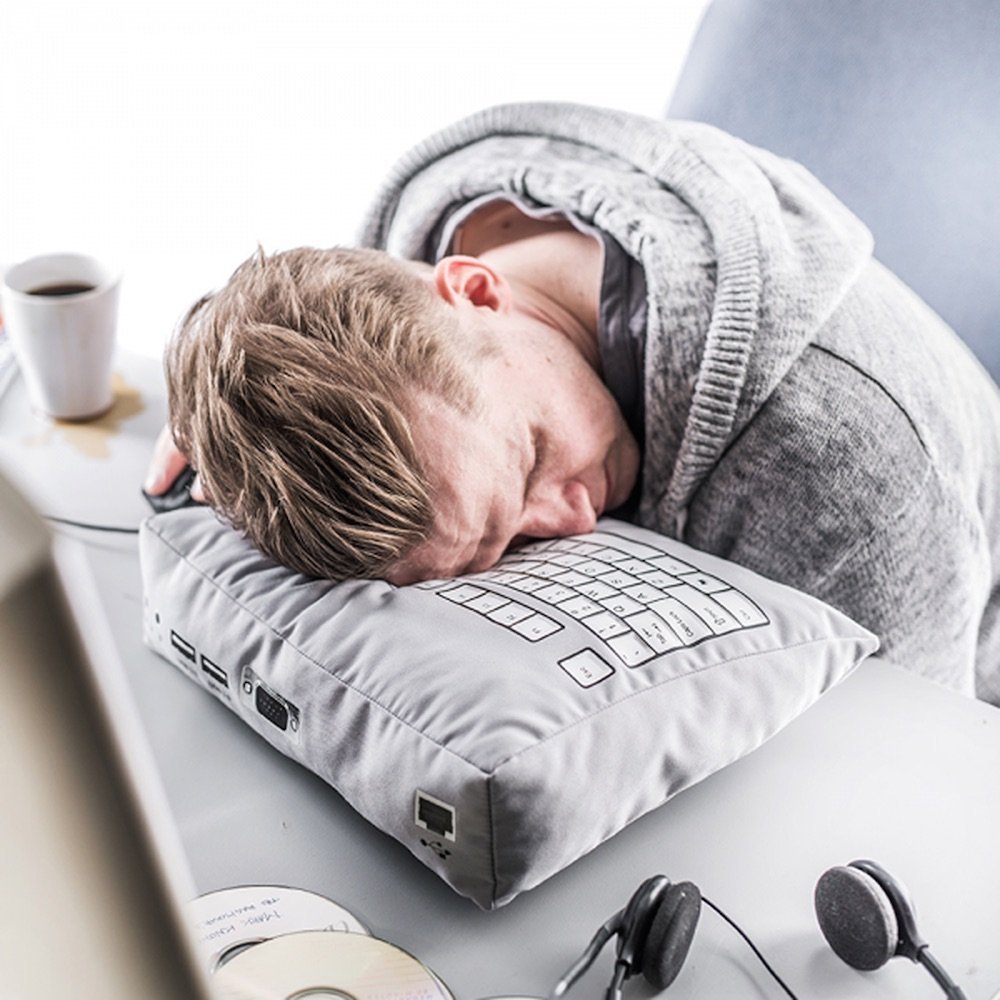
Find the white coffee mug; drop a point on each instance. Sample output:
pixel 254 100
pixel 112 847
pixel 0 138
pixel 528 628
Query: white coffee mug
pixel 60 312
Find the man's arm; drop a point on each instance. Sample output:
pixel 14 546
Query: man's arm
pixel 831 489
pixel 921 583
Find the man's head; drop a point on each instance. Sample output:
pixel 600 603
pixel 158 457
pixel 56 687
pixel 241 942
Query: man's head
pixel 288 391
pixel 357 416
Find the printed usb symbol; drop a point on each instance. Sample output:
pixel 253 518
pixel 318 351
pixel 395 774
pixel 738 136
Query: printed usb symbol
pixel 437 847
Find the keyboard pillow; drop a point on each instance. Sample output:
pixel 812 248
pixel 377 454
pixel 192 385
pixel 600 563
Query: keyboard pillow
pixel 502 724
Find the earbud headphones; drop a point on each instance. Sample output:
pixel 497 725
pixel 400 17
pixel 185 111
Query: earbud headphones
pixel 865 915
pixel 867 918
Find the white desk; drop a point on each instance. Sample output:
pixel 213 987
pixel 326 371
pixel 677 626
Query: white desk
pixel 887 766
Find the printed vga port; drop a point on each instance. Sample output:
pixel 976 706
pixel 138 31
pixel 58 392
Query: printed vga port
pixel 279 711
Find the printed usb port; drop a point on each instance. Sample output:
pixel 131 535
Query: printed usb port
pixel 182 646
pixel 214 671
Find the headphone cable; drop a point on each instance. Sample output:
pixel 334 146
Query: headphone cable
pixel 604 933
pixel 614 991
pixel 739 930
pixel 91 527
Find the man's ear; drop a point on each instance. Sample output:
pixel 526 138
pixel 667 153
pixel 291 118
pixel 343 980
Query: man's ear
pixel 459 277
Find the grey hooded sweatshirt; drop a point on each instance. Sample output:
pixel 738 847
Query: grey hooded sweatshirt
pixel 805 414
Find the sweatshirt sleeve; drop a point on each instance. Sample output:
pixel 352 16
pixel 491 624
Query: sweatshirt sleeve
pixel 832 490
pixel 919 580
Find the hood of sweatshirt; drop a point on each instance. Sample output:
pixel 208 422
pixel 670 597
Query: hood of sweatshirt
pixel 785 253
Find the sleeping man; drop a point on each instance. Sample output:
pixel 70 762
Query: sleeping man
pixel 562 312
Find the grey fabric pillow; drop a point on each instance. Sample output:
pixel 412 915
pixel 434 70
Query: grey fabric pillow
pixel 499 725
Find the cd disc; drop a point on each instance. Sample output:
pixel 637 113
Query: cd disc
pixel 318 964
pixel 229 921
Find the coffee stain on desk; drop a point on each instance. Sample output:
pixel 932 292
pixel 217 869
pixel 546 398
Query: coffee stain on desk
pixel 92 438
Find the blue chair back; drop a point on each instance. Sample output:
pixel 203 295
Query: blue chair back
pixel 895 106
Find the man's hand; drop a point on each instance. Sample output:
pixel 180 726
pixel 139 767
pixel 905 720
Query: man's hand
pixel 167 463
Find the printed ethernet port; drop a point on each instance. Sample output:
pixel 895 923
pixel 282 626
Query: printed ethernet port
pixel 272 709
pixel 434 815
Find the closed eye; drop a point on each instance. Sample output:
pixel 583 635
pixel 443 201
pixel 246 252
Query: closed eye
pixel 538 459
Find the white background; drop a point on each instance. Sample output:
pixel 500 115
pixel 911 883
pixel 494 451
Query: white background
pixel 173 136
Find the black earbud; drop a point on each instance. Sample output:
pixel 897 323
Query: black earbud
pixel 654 930
pixel 867 918
pixel 657 929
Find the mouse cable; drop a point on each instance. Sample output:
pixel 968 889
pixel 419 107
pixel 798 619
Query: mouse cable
pixel 92 527
pixel 739 930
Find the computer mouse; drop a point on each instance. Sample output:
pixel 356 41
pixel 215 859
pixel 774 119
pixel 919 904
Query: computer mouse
pixel 177 496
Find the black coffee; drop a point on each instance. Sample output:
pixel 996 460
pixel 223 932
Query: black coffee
pixel 62 288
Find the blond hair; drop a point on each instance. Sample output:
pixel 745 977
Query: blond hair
pixel 288 390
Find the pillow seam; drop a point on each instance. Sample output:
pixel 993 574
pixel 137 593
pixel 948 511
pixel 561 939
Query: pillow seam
pixel 840 639
pixel 309 659
pixel 492 770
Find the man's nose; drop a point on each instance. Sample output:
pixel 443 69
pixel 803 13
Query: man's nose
pixel 567 510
